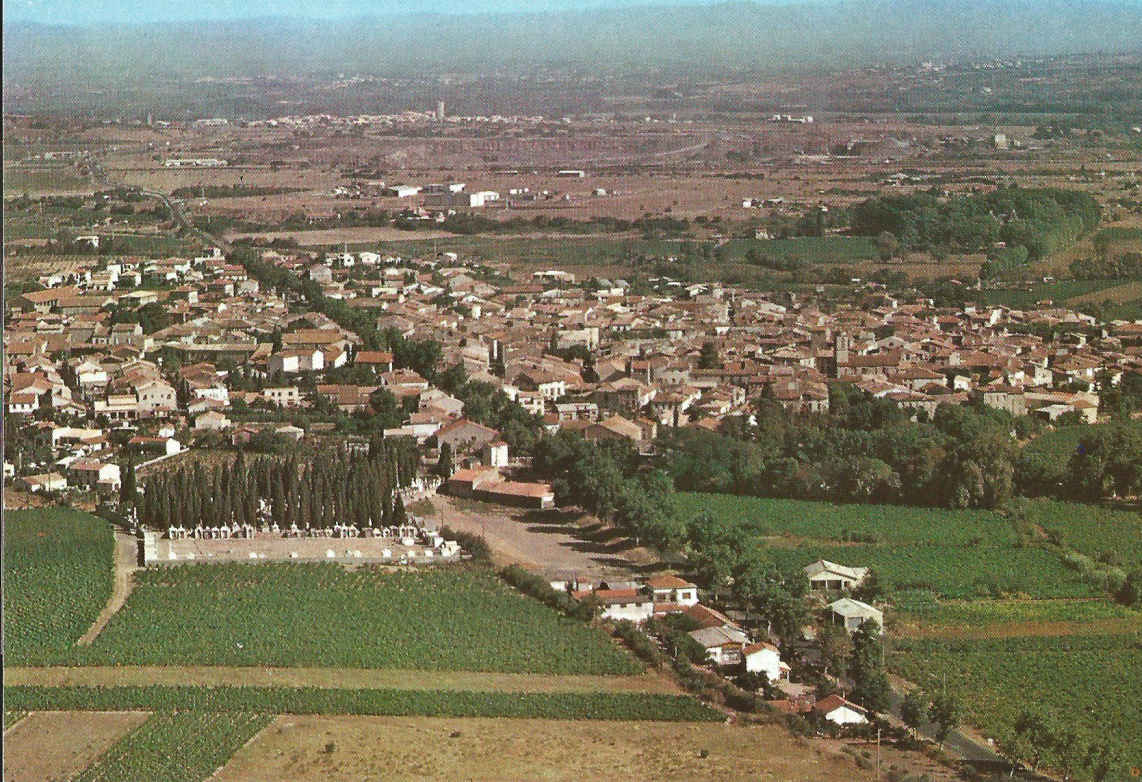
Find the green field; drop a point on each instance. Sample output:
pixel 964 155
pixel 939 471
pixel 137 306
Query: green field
pixel 822 521
pixel 981 613
pixel 1094 530
pixel 306 700
pixel 323 615
pixel 955 554
pixel 175 747
pixel 954 572
pixel 1093 683
pixel 1058 292
pixel 57 577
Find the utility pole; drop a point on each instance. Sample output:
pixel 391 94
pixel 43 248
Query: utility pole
pixel 878 754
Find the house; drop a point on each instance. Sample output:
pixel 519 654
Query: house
pixel 765 658
pixel 290 362
pixel 50 481
pixel 723 645
pixel 376 360
pixel 212 421
pixel 159 446
pixel 282 396
pixel 838 711
pixel 853 613
pixel 496 454
pixel 463 434
pixel 95 474
pixel 825 576
pixel 672 589
pixel 631 604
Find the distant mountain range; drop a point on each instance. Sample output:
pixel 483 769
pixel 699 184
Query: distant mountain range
pixel 832 34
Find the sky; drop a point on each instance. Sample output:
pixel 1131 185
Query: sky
pixel 84 12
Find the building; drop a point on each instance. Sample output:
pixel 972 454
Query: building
pixel 634 605
pixel 765 658
pixel 723 645
pixel 829 576
pixel 672 589
pixel 838 711
pixel 853 613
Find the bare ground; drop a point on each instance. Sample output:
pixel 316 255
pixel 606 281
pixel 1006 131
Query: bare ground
pixel 550 542
pixel 422 748
pixel 350 678
pixel 124 582
pixel 57 744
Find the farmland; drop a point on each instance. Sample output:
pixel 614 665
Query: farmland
pixel 309 700
pixel 1066 678
pixel 175 747
pixel 1095 530
pixel 1058 292
pixel 955 554
pixel 826 521
pixel 57 572
pixel 322 615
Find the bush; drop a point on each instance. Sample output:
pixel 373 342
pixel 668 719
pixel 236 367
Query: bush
pixel 639 642
pixel 469 541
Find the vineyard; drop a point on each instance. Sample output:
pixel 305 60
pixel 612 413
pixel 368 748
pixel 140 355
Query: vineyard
pixel 323 615
pixel 306 700
pixel 175 747
pixel 1094 683
pixel 977 614
pixel 1094 530
pixel 951 554
pixel 826 521
pixel 57 577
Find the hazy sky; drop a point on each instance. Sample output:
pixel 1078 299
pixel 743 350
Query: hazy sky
pixel 142 11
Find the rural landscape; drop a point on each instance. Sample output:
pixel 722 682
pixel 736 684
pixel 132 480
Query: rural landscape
pixel 572 392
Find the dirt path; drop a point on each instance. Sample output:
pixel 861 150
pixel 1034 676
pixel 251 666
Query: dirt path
pixel 349 678
pixel 547 542
pixel 126 558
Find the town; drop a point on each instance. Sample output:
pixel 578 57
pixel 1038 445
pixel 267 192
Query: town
pixel 701 424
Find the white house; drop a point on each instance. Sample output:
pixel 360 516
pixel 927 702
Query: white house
pixel 496 455
pixel 211 421
pixel 853 613
pixel 290 362
pixel 672 589
pixel 765 658
pixel 630 604
pixel 723 645
pixel 824 575
pixel 838 711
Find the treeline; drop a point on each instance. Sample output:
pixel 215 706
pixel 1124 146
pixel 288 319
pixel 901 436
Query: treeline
pixel 1122 266
pixel 863 450
pixel 231 191
pixel 339 488
pixel 1041 220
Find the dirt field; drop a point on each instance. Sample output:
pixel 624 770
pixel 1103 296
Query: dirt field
pixel 114 676
pixel 56 744
pixel 374 748
pixel 546 542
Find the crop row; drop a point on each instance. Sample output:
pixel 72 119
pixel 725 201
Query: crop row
pixel 311 700
pixel 953 572
pixel 183 746
pixel 871 523
pixel 322 615
pixel 57 577
pixel 1094 683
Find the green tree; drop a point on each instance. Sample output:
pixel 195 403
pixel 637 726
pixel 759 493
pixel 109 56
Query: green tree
pixel 127 489
pixel 708 356
pixel 945 713
pixel 914 709
pixel 444 466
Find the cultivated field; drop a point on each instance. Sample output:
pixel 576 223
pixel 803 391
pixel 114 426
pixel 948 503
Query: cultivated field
pixel 33 749
pixel 57 578
pixel 324 615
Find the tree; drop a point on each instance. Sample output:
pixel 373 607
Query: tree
pixel 835 649
pixel 914 709
pixel 1033 737
pixel 127 488
pixel 708 356
pixel 444 466
pixel 866 668
pixel 887 245
pixel 400 516
pixel 945 713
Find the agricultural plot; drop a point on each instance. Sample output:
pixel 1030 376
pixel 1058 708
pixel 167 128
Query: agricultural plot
pixel 324 616
pixel 1093 683
pixel 175 747
pixel 33 749
pixel 953 554
pixel 57 577
pixel 309 700
pixel 954 572
pixel 826 521
pixel 1058 292
pixel 1094 530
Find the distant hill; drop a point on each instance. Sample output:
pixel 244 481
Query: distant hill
pixel 727 35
